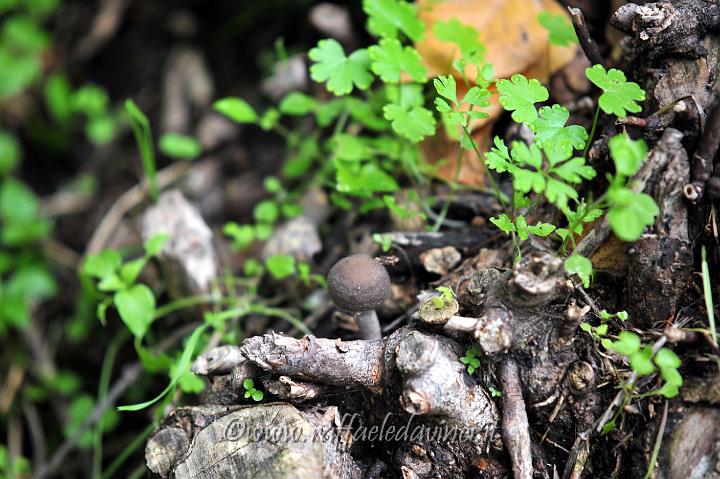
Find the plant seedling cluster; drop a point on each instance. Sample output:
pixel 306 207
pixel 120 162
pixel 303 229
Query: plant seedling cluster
pixel 445 297
pixel 472 358
pixel 251 391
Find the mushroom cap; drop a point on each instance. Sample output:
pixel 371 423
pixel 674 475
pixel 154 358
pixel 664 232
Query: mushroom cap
pixel 358 283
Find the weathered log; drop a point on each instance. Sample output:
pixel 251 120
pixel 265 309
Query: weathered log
pixel 263 441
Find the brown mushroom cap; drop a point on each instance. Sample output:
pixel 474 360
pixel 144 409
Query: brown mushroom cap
pixel 358 283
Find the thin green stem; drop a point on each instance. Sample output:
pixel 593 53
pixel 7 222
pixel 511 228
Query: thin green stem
pixel 188 302
pixel 658 442
pixel 496 190
pixel 592 131
pixel 103 387
pixel 279 313
pixel 709 304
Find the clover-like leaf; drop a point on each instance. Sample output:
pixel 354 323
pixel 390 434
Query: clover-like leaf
pixel 414 124
pixel 339 71
pixel 627 343
pixel 619 95
pixel 466 37
pixel 641 361
pixel 386 18
pixel 519 95
pixel 562 32
pixel 390 58
pixel 580 266
pixel 666 358
pixel 630 213
pixel 627 154
pixel 550 130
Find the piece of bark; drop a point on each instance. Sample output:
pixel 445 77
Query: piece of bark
pixel 188 258
pixel 654 164
pixel 660 261
pixel 669 27
pixel 516 431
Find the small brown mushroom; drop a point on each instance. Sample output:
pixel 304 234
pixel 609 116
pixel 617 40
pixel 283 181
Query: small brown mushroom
pixel 359 284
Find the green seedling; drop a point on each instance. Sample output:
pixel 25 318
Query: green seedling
pixel 251 392
pixel 472 358
pixel 445 298
pixel 143 137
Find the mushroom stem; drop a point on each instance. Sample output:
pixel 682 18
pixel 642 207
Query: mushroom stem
pixel 368 324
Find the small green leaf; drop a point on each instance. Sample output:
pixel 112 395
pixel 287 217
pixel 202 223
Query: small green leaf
pixel 666 358
pixel 627 343
pixel 466 37
pixel 504 223
pixel 102 264
pixel 522 227
pixel 280 266
pixel 562 32
pixel 601 330
pixel 339 71
pixel 266 211
pixel 155 244
pixel 58 96
pixel 248 384
pixel 350 147
pixel 519 95
pixel 237 109
pixel 136 307
pixel 477 96
pixel 580 266
pixel 297 104
pixel 130 271
pixel 390 58
pixel 641 362
pixel 619 95
pixel 176 145
pixel 386 18
pixel 9 153
pixel 541 229
pixel 498 158
pixel 668 390
pixel 368 178
pixel 671 376
pixel 551 132
pixel 242 235
pixel 413 124
pixel 627 154
pixel 257 395
pixel 269 119
pixel 446 87
pixel 630 213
